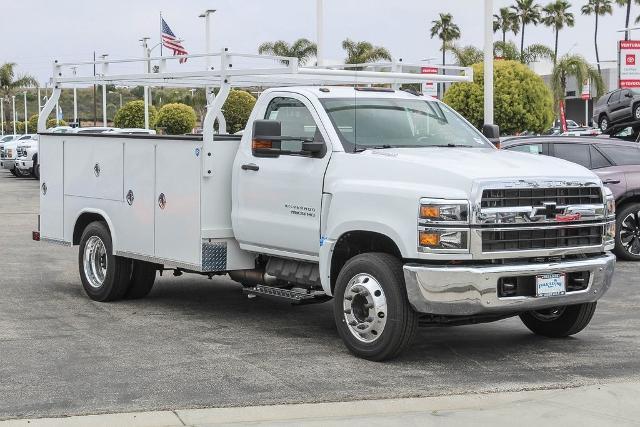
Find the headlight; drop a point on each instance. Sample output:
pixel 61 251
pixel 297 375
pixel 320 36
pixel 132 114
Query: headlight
pixel 611 206
pixel 440 211
pixel 443 239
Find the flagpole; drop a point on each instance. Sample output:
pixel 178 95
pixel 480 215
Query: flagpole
pixel 160 33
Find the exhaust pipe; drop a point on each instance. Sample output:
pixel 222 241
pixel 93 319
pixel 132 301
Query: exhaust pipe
pixel 252 277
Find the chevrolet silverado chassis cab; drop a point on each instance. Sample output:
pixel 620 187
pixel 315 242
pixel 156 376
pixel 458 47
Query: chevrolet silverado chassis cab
pixel 387 202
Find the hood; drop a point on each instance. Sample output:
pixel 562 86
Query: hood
pixel 444 171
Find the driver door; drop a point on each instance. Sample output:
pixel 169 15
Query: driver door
pixel 277 200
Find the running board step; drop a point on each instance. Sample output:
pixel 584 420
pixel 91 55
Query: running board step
pixel 295 297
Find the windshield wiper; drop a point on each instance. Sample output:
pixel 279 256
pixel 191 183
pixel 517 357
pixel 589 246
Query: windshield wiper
pixel 360 149
pixel 450 145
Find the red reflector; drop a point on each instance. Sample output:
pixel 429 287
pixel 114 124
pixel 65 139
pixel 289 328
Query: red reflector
pixel 35 235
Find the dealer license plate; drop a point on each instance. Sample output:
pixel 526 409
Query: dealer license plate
pixel 550 285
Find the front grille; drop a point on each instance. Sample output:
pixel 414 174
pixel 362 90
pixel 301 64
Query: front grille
pixel 545 238
pixel 516 197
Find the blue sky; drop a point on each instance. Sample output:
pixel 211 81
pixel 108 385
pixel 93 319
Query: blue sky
pixel 38 31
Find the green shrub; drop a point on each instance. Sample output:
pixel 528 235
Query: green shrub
pixel 33 123
pixel 176 119
pixel 131 115
pixel 522 102
pixel 19 127
pixel 237 109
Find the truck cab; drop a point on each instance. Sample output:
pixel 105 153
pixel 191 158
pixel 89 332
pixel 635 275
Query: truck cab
pixel 387 202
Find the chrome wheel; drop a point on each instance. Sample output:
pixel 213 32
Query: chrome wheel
pixel 95 261
pixel 548 315
pixel 365 308
pixel 630 233
pixel 637 113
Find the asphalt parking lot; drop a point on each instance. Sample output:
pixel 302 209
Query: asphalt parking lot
pixel 200 343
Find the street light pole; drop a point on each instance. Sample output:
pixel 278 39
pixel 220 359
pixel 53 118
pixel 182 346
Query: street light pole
pixel 2 114
pixel 26 117
pixel 75 98
pixel 13 103
pixel 488 62
pixel 104 95
pixel 207 31
pixel 145 89
pixel 320 32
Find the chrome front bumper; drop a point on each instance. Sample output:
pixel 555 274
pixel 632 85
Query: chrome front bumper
pixel 469 290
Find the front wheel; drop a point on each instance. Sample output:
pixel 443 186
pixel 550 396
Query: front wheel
pixel 371 309
pixel 559 322
pixel 604 123
pixel 636 112
pixel 105 277
pixel 628 233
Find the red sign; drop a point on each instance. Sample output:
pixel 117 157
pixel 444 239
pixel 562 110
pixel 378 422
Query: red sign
pixel 429 88
pixel 628 63
pixel 569 217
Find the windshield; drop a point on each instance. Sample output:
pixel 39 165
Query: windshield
pixel 386 122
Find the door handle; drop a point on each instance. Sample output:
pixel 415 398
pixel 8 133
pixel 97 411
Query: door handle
pixel 611 181
pixel 250 167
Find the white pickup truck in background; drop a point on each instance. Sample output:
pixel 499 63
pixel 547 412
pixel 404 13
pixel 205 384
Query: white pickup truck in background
pixel 387 202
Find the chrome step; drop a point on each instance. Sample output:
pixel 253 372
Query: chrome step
pixel 294 296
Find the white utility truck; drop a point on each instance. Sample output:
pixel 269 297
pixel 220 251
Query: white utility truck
pixel 388 202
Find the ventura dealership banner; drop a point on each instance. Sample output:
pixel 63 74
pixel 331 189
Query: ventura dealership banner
pixel 629 63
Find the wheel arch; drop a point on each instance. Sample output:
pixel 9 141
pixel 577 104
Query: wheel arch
pixel 632 196
pixel 355 242
pixel 86 217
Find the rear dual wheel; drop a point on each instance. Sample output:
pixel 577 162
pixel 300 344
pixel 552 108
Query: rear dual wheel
pixel 107 277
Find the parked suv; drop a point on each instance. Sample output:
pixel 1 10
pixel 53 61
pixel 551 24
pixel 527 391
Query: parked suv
pixel 617 163
pixel 617 106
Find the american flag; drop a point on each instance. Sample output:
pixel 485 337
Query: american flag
pixel 170 41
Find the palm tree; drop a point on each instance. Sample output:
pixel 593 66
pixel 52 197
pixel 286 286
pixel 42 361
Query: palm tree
pixel 557 15
pixel 9 84
pixel 466 56
pixel 531 53
pixel 527 12
pixel 597 8
pixel 303 49
pixel 445 30
pixel 364 52
pixel 506 21
pixel 574 66
pixel 627 5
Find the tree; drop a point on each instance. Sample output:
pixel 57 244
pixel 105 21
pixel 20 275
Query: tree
pixel 506 21
pixel 557 15
pixel 302 49
pixel 597 8
pixel 33 123
pixel 176 119
pixel 522 100
pixel 131 115
pixel 363 52
pixel 446 31
pixel 466 56
pixel 10 84
pixel 627 4
pixel 527 12
pixel 237 109
pixel 532 53
pixel 574 66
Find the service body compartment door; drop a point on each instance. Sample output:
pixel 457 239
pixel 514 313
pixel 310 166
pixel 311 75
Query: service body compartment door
pixel 177 204
pixel 93 168
pixel 137 225
pixel 51 155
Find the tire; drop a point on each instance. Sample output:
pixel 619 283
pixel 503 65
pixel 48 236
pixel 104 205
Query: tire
pixel 628 232
pixel 603 123
pixel 559 322
pixel 14 172
pixel 143 276
pixel 377 280
pixel 636 112
pixel 105 277
pixel 36 171
pixel 21 174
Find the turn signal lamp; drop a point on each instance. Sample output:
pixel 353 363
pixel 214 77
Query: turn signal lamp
pixel 429 239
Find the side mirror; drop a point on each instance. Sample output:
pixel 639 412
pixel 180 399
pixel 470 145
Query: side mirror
pixel 492 133
pixel 266 139
pixel 628 95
